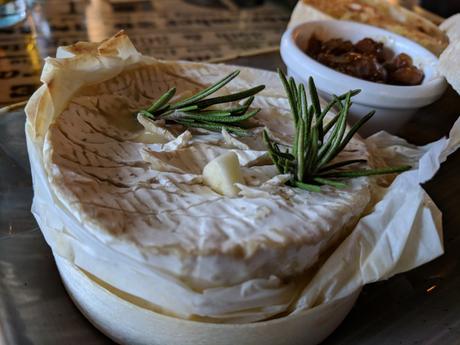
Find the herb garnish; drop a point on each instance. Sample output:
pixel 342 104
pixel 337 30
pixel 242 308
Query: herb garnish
pixel 308 159
pixel 194 111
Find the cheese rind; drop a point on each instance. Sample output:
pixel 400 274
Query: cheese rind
pixel 142 218
pixel 150 199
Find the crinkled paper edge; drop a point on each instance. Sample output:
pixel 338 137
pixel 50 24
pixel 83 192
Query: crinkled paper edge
pixel 403 232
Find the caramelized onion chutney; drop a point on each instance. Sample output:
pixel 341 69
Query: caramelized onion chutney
pixel 367 59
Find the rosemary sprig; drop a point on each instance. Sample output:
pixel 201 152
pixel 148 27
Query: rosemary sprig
pixel 194 111
pixel 316 142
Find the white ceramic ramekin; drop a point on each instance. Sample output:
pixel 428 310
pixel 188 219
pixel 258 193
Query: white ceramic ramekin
pixel 394 104
pixel 129 323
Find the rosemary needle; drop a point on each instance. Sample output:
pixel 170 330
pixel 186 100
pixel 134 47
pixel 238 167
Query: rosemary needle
pixel 194 111
pixel 309 159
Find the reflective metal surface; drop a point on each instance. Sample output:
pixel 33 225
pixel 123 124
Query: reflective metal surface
pixel 418 307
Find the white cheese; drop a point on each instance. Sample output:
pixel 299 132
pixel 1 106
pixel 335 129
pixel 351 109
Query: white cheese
pixel 157 225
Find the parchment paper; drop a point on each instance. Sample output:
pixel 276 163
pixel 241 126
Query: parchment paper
pixel 402 232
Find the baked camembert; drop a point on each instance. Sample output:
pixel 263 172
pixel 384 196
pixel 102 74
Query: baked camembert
pixel 150 218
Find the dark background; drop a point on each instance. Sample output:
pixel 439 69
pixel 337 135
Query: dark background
pixel 444 8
